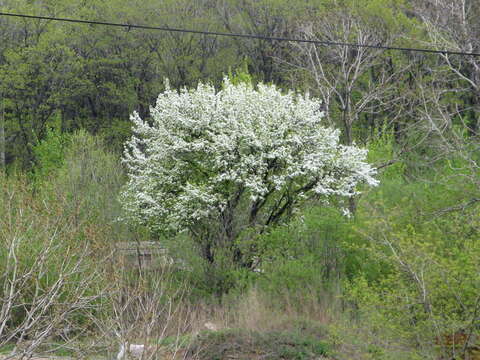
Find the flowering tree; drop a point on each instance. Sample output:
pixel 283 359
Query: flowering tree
pixel 218 163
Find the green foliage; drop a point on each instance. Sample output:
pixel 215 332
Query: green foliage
pixel 308 251
pixel 299 279
pixel 90 179
pixel 7 348
pixel 428 258
pixel 50 154
pixel 47 251
pixel 205 280
pixel 241 74
pixel 62 230
pixel 382 151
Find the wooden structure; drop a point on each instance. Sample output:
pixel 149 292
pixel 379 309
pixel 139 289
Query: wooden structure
pixel 143 255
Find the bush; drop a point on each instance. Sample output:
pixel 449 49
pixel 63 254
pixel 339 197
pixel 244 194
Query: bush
pixel 49 282
pixel 49 155
pixel 90 178
pixel 427 286
pixel 55 239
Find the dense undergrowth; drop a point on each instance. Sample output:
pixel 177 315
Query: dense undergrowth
pixel 392 282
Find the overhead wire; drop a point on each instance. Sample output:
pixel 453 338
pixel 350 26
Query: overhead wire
pixel 238 35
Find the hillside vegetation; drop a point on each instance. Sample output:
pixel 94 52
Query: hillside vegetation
pixel 372 252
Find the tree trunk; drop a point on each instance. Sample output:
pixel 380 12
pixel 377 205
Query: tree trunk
pixel 475 126
pixel 347 116
pixel 347 122
pixel 2 134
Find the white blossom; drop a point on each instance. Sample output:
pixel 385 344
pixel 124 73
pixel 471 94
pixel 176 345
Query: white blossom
pixel 201 147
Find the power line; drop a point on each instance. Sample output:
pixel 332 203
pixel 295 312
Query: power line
pixel 247 36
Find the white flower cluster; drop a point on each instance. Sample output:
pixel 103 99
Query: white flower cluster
pixel 202 147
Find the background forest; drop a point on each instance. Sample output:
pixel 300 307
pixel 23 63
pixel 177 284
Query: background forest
pixel 398 279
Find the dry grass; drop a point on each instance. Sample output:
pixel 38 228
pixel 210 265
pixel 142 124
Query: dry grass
pixel 254 310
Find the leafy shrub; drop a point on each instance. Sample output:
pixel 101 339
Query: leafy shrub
pixel 54 239
pixel 427 286
pixel 50 154
pixel 49 282
pixel 382 152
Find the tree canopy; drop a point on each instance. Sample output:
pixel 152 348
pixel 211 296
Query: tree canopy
pixel 217 162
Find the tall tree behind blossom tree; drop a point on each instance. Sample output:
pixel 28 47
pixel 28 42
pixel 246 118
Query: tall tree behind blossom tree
pixel 453 24
pixel 358 85
pixel 450 94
